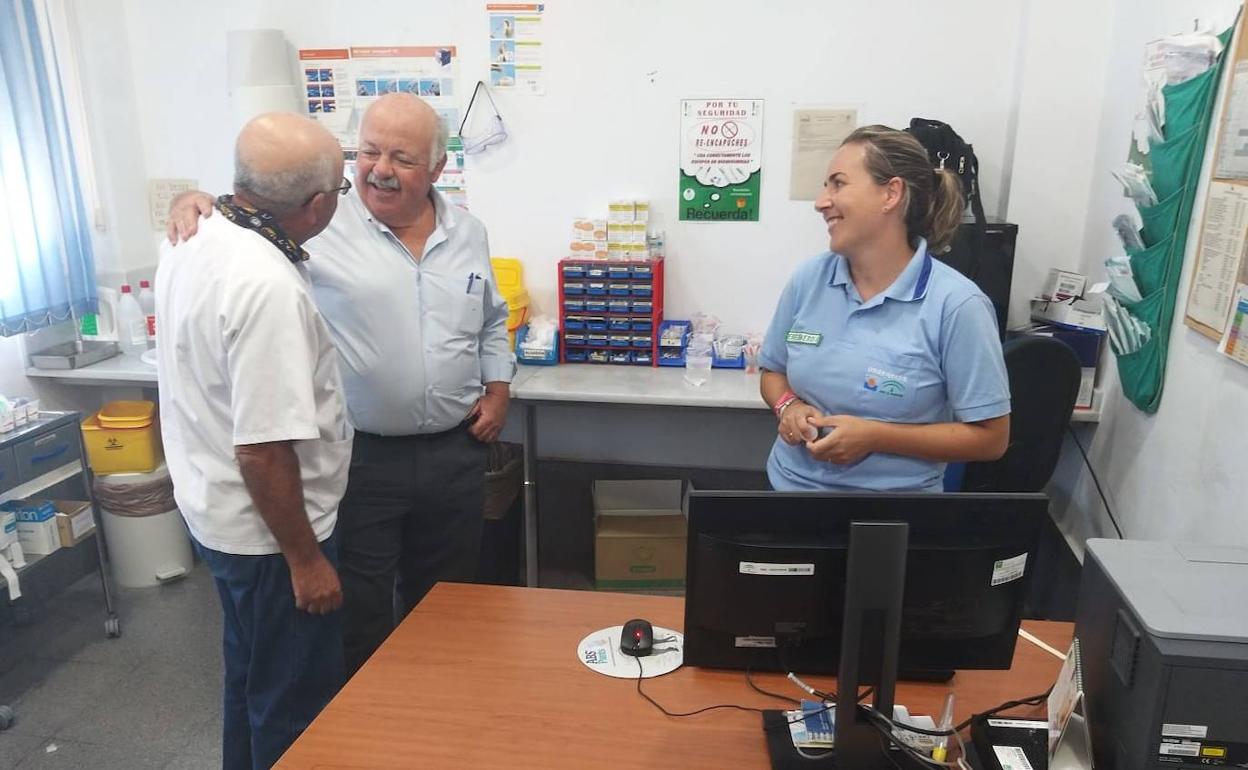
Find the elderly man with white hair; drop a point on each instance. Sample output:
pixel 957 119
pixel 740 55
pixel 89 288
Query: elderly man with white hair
pixel 403 278
pixel 255 430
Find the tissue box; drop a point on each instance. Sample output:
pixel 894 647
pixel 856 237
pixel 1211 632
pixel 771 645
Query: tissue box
pixel 1077 314
pixel 621 211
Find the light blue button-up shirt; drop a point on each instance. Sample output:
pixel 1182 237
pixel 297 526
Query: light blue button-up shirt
pixel 416 337
pixel 925 350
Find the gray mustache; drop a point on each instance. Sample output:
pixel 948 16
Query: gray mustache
pixel 387 183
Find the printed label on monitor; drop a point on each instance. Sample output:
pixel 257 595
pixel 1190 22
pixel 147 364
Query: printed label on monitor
pixel 1007 570
pixel 762 568
pixel 1173 748
pixel 756 641
pixel 1012 758
pixel 1184 731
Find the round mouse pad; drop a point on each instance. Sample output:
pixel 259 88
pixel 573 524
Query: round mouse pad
pixel 600 651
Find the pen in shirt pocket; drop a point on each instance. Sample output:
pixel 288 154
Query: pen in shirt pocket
pixel 472 278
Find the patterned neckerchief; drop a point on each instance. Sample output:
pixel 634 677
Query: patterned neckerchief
pixel 263 223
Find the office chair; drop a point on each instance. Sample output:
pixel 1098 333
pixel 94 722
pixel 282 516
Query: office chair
pixel 1044 383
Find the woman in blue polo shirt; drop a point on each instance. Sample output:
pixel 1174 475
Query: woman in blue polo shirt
pixel 881 363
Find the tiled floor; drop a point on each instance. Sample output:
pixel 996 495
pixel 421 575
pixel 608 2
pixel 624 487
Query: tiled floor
pixel 149 699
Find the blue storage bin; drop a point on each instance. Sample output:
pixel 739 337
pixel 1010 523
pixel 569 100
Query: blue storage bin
pixel 577 356
pixel 596 289
pixel 673 354
pixel 643 306
pixel 526 357
pixel 573 305
pixel 642 341
pixel 617 272
pixel 573 323
pixel 595 271
pixel 574 338
pixel 620 289
pixel 643 290
pixel 596 305
pixel 618 325
pixel 596 323
pixel 727 363
pixel 619 306
pixel 621 340
pixel 597 357
pixel 572 289
pixel 622 358
pixel 643 358
pixel 573 271
pixel 642 324
pixel 642 271
pixel 597 340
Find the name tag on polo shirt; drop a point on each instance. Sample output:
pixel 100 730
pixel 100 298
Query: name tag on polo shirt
pixel 803 338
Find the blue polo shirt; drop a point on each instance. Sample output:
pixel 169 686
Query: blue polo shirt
pixel 926 350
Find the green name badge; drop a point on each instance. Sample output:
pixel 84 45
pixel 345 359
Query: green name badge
pixel 803 338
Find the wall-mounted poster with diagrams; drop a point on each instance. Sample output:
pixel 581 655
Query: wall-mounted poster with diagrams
pixel 721 159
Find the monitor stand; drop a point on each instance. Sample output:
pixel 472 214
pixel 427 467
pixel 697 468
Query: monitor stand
pixel 875 581
pixel 870 638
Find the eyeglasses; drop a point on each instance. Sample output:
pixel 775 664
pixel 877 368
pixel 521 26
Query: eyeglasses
pixel 341 189
pixel 495 134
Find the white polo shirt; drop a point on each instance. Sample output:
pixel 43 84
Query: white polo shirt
pixel 245 358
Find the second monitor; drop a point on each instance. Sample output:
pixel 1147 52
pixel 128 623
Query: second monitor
pixel 766 577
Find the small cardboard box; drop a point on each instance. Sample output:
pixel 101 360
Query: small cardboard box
pixel 38 537
pixel 1062 285
pixel 74 522
pixel 639 535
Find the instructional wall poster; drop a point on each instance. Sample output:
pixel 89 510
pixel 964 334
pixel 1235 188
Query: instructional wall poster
pixel 517 53
pixel 721 166
pixel 342 82
pixel 1222 242
pixel 817 134
pixel 1234 344
pixel 328 95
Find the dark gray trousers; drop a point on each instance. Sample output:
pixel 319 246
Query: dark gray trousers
pixel 411 516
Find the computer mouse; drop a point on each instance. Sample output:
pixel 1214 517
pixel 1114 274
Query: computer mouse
pixel 637 638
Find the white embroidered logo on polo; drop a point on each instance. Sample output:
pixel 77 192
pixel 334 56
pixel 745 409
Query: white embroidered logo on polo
pixel 884 382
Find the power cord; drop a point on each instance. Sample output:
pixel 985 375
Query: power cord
pixel 641 674
pixel 1097 482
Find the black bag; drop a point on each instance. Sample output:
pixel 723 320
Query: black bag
pixel 948 150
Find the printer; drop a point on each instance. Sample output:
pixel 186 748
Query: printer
pixel 1163 637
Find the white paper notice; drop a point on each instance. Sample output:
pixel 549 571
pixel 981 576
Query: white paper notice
pixel 1221 250
pixel 1233 141
pixel 816 136
pixel 1234 343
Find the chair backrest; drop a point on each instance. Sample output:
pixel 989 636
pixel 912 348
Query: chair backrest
pixel 1044 383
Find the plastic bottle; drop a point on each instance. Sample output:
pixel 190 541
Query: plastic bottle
pixel 147 301
pixel 131 328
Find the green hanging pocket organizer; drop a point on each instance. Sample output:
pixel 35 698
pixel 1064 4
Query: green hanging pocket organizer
pixel 1185 101
pixel 1149 266
pixel 1175 170
pixel 1171 160
pixel 1159 221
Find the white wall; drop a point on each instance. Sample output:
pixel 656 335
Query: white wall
pixel 1176 475
pixel 608 128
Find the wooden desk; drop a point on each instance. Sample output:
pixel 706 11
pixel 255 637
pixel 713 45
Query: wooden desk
pixel 487 676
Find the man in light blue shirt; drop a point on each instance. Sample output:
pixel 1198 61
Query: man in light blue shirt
pixel 403 279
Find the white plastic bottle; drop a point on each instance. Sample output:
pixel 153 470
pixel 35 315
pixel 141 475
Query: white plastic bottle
pixel 147 301
pixel 131 329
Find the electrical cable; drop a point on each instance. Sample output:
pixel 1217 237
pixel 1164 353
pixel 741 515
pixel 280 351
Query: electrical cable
pixel 641 674
pixel 1104 501
pixel 750 681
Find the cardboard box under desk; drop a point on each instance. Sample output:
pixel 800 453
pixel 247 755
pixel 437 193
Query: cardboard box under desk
pixel 74 522
pixel 639 535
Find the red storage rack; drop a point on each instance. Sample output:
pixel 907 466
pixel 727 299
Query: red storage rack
pixel 581 307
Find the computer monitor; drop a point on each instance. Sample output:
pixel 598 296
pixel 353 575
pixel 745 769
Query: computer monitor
pixel 766 573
